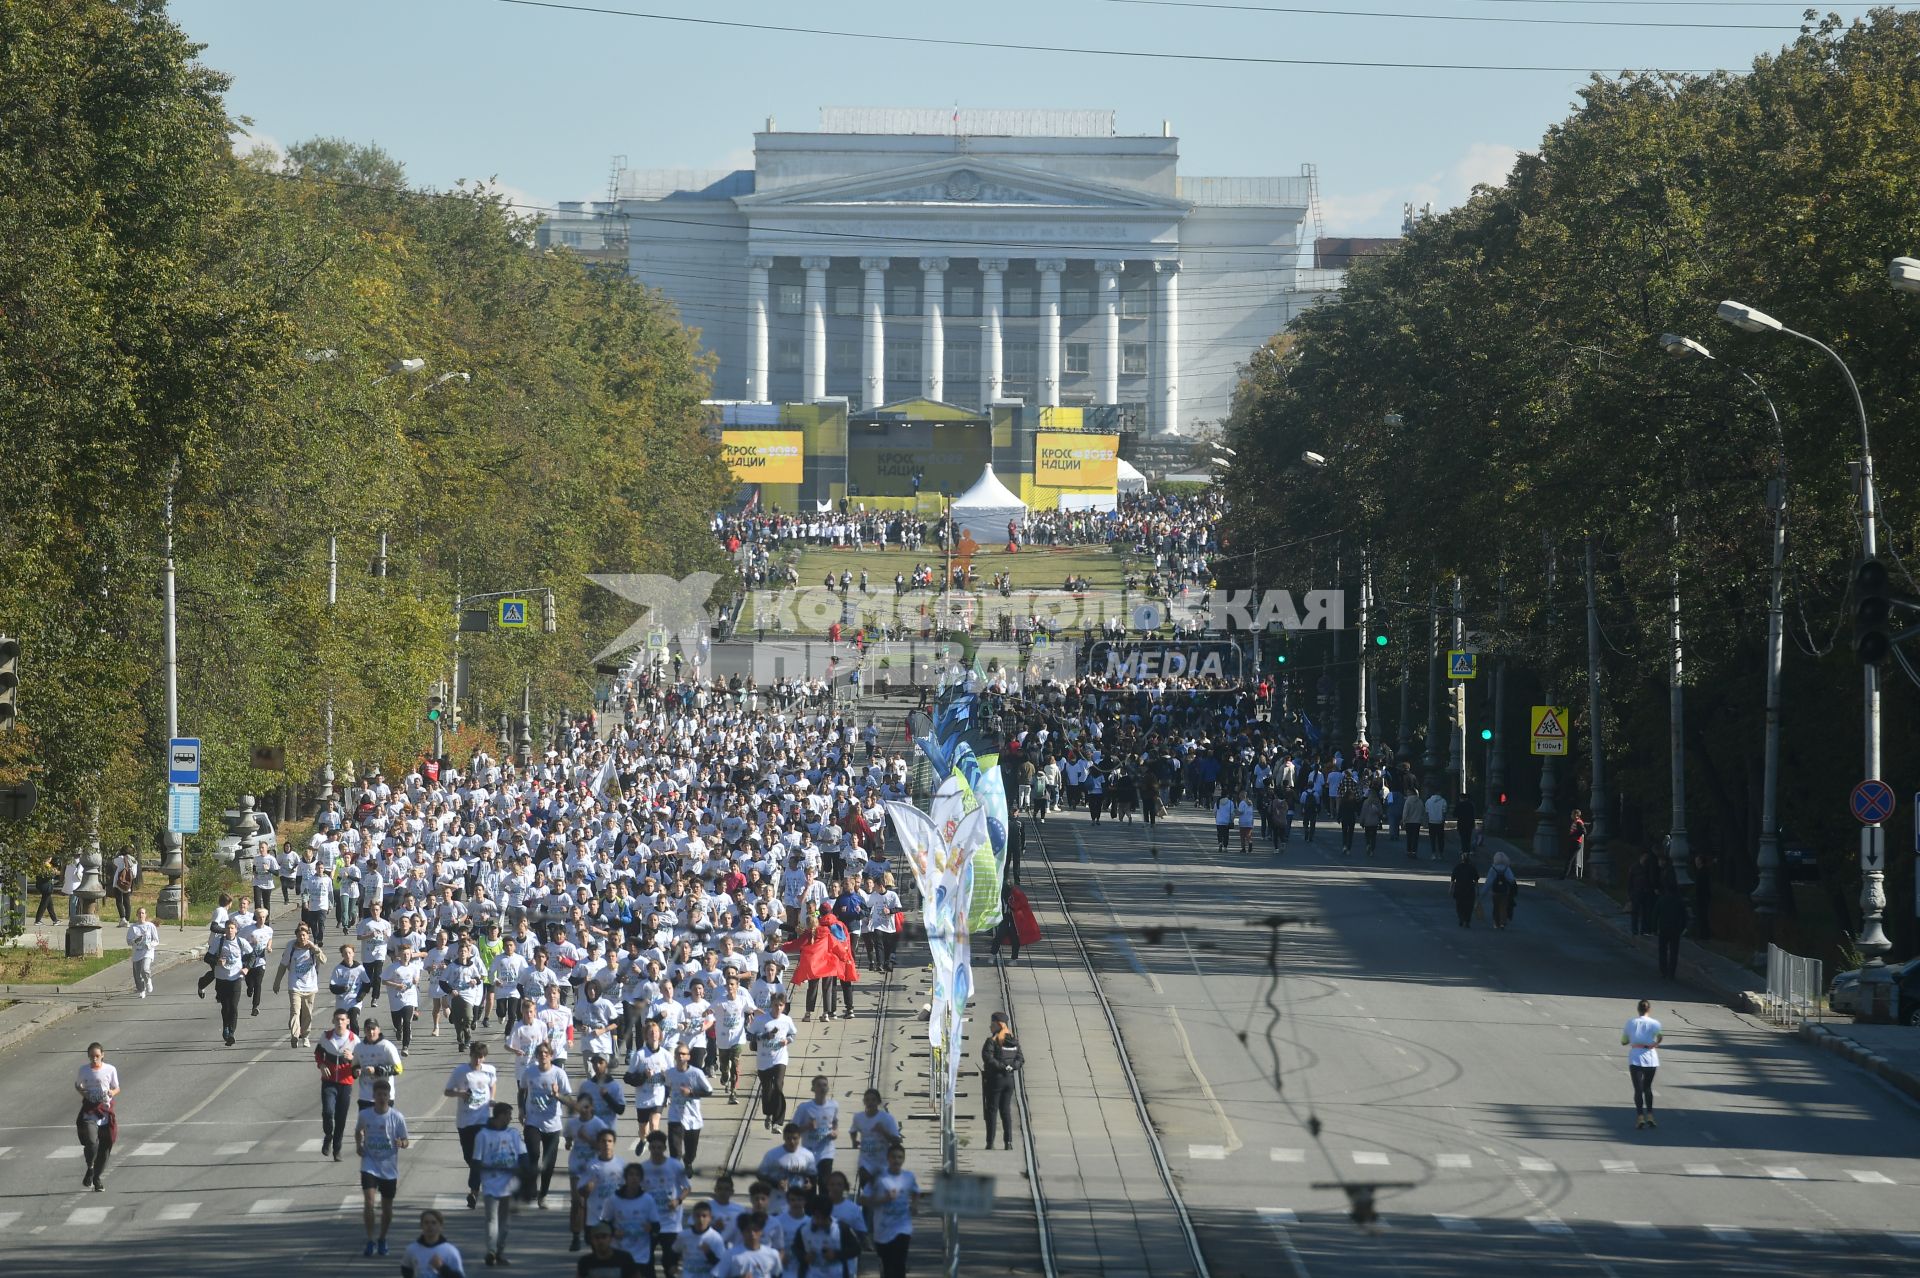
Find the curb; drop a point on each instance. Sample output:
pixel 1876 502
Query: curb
pixel 1827 1039
pixel 30 1015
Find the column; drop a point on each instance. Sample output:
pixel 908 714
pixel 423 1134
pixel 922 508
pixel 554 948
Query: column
pixel 933 305
pixel 757 268
pixel 993 302
pixel 1110 313
pixel 1050 269
pixel 816 303
pixel 1167 320
pixel 873 302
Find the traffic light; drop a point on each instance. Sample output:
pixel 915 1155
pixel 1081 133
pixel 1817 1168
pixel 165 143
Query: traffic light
pixel 1380 640
pixel 9 682
pixel 1872 609
pixel 434 701
pixel 549 621
pixel 1486 734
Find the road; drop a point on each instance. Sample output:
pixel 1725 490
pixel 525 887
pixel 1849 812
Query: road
pixel 1477 1071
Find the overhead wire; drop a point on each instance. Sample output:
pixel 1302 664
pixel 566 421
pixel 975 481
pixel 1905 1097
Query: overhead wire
pixel 1315 11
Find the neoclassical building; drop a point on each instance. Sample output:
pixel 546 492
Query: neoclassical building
pixel 971 257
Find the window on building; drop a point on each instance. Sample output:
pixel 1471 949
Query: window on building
pixel 788 299
pixel 1135 303
pixel 1133 359
pixel 786 355
pixel 1078 357
pixel 846 299
pixel 963 361
pixel 1022 358
pixel 1077 302
pixel 903 299
pixel 1020 301
pixel 903 356
pixel 963 299
pixel 843 355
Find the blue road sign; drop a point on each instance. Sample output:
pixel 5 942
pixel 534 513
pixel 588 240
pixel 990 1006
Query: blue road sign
pixel 183 761
pixel 1871 801
pixel 513 614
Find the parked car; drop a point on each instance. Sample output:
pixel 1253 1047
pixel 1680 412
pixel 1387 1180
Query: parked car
pixel 1846 996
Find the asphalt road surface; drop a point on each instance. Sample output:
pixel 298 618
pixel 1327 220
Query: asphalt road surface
pixel 1475 1075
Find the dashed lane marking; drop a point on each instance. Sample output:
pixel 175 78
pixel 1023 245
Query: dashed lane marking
pixel 179 1211
pixel 269 1206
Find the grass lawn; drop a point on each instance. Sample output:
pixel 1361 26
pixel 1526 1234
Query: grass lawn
pixel 27 965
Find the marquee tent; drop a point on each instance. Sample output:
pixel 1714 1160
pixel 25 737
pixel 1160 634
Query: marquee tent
pixel 985 508
pixel 1127 479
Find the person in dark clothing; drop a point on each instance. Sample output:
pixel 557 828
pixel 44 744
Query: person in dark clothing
pixel 1669 923
pixel 1466 884
pixel 1000 1062
pixel 1464 816
pixel 1643 884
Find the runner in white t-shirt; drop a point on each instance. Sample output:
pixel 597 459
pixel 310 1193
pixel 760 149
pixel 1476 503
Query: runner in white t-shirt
pixel 379 1134
pixel 1642 1040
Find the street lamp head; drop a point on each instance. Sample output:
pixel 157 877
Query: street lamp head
pixel 1394 419
pixel 465 379
pixel 1746 318
pixel 406 365
pixel 1683 347
pixel 1904 274
pixel 1312 458
pixel 1222 448
pixel 324 355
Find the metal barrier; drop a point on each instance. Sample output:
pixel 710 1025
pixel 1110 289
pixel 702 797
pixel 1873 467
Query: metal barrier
pixel 1795 986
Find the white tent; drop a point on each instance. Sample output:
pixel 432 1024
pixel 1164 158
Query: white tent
pixel 1127 479
pixel 985 508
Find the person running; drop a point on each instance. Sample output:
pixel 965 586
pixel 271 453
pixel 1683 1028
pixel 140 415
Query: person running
pixel 229 954
pixel 474 1084
pixel 772 1033
pixel 402 977
pixel 379 1134
pixel 892 1195
pixel 1000 1062
pixel 465 982
pixel 1642 1038
pixel 348 983
pixel 686 1084
pixel 98 1124
pixel 874 1130
pixel 258 934
pixel 596 1171
pixel 545 1116
pixel 375 1060
pixel 143 940
pixel 333 1058
pixel 731 1011
pixel 501 1153
pixel 606 1260
pixel 666 1180
pixel 790 1164
pixel 300 971
pixel 702 1249
pixel 432 1256
pixel 753 1258
pixel 374 933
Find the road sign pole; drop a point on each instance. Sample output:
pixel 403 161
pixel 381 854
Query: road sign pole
pixel 172 903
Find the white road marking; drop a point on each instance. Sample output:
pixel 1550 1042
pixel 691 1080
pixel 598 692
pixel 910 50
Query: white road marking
pixel 1729 1233
pixel 311 1146
pixel 236 1147
pixel 1211 1153
pixel 1459 1162
pixel 88 1216
pixel 7 1218
pixel 1535 1165
pixel 1549 1224
pixel 1871 1177
pixel 1786 1173
pixel 269 1206
pixel 1701 1169
pixel 1617 1165
pixel 1277 1215
pixel 1278 1218
pixel 153 1149
pixel 179 1211
pixel 1641 1228
pixel 64 1151
pixel 352 1202
pixel 1459 1224
pixel 5 1150
pixel 1279 1155
pixel 449 1202
pixel 1368 1158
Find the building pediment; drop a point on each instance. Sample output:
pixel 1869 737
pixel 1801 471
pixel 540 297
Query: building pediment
pixel 961 180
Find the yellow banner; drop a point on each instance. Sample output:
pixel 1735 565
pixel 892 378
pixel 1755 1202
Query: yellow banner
pixel 1062 418
pixel 1063 460
pixel 763 456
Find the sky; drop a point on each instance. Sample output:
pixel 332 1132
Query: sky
pixel 540 97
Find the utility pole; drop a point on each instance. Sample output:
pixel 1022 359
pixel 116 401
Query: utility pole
pixel 333 599
pixel 172 903
pixel 1600 827
pixel 1434 658
pixel 1677 849
pixel 1546 827
pixel 1494 811
pixel 1366 641
pixel 1457 694
pixel 1766 892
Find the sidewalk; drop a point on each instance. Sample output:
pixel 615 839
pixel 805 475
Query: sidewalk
pixel 1891 1051
pixel 35 1007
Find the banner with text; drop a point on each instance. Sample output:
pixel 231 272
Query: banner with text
pixel 1063 460
pixel 763 456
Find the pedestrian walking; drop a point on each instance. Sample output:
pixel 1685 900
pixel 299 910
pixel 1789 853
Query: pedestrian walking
pixel 299 970
pixel 1000 1064
pixel 1411 814
pixel 1642 1038
pixel 1373 812
pixel 379 1134
pixel 1464 817
pixel 143 941
pixel 1223 821
pixel 1436 815
pixel 126 877
pixel 1503 886
pixel 1576 867
pixel 1465 881
pixel 1669 925
pixel 98 1122
pixel 333 1058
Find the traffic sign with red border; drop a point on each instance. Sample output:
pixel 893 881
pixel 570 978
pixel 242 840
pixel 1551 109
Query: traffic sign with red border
pixel 1871 801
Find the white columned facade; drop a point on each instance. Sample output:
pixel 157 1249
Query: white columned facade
pixel 992 306
pixel 1050 269
pixel 757 268
pixel 1109 269
pixel 1166 302
pixel 816 314
pixel 873 302
pixel 933 305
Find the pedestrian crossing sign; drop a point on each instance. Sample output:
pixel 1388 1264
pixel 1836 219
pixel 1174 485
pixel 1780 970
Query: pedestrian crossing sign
pixel 513 614
pixel 1462 664
pixel 1550 730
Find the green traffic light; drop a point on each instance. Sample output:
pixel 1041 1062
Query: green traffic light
pixel 433 716
pixel 1279 658
pixel 1486 734
pixel 1381 640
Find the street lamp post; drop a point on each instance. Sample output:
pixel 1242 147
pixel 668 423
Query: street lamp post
pixel 1677 846
pixel 1434 655
pixel 1494 811
pixel 1876 981
pixel 1600 828
pixel 1457 695
pixel 172 903
pixel 1766 890
pixel 1546 827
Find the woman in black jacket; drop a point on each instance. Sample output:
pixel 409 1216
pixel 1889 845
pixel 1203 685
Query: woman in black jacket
pixel 1000 1062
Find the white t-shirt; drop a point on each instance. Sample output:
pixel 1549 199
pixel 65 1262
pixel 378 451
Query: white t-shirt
pixel 480 1082
pixel 143 939
pixel 97 1083
pixel 381 1136
pixel 775 1034
pixel 1642 1033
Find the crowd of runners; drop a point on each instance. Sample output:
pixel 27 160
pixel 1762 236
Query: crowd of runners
pixel 636 928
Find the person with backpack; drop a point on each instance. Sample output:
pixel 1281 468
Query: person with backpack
pixel 1503 885
pixel 1000 1064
